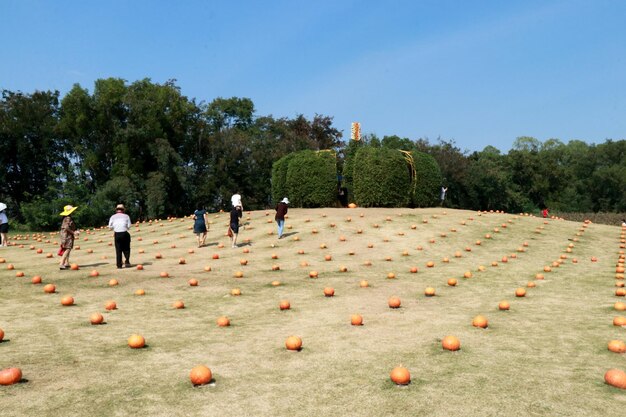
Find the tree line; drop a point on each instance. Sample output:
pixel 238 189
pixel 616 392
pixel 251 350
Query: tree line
pixel 161 153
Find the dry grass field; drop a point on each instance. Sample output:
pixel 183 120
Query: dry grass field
pixel 546 356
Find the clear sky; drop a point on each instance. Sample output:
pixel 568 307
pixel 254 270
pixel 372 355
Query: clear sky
pixel 474 71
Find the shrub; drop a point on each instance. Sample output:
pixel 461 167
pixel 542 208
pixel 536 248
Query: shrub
pixel 312 179
pixel 427 180
pixel 279 177
pixel 380 178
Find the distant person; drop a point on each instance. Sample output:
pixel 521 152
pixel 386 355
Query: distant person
pixel 235 215
pixel 235 200
pixel 120 224
pixel 4 225
pixel 281 210
pixel 67 235
pixel 200 225
pixel 545 213
pixel 442 195
pixel 343 196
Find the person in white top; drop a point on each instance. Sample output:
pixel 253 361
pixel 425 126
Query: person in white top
pixel 236 200
pixel 4 225
pixel 120 223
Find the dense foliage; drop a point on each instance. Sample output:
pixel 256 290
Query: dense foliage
pixel 427 181
pixel 312 179
pixel 161 153
pixel 381 178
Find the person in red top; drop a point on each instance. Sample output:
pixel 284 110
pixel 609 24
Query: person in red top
pixel 544 213
pixel 281 210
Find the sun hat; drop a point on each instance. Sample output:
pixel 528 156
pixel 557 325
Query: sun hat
pixel 67 210
pixel 3 206
pixel 285 200
pixel 120 207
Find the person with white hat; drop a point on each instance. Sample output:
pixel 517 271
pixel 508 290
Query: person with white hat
pixel 120 224
pixel 281 211
pixel 4 225
pixel 68 233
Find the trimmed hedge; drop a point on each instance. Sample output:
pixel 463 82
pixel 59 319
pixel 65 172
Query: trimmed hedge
pixel 428 180
pixel 279 177
pixel 380 178
pixel 311 179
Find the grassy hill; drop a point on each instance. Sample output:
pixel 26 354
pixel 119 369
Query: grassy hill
pixel 545 356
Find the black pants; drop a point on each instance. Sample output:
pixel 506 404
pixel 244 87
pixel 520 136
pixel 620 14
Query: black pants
pixel 122 245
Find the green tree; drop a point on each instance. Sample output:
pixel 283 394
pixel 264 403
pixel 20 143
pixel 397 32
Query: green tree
pixel 31 154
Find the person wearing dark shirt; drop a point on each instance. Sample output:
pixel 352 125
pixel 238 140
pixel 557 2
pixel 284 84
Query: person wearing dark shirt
pixel 200 225
pixel 281 210
pixel 235 215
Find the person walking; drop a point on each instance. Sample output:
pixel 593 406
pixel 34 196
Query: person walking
pixel 442 196
pixel 281 210
pixel 200 225
pixel 235 215
pixel 120 223
pixel 235 200
pixel 68 234
pixel 4 225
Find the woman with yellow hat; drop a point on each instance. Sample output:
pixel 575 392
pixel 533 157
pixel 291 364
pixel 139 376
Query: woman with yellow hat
pixel 68 233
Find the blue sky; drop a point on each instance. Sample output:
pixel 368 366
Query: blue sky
pixel 477 72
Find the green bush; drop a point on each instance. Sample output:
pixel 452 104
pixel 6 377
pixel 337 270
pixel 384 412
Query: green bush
pixel 348 166
pixel 279 177
pixel 380 178
pixel 427 180
pixel 312 179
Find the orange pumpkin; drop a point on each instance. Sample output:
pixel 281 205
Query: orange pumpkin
pixel 140 292
pixel 451 343
pixel 36 279
pixel 480 321
pixel 313 274
pixel 235 292
pixel 178 304
pixel 619 321
pixel 617 346
pixel 504 305
pixel 293 343
pixel 391 275
pixel 356 320
pixel 452 282
pixel 329 291
pixel 96 318
pixel 520 292
pixel 620 306
pixel 10 376
pixel 364 284
pixel 68 300
pixel 616 378
pixel 49 288
pixel 1 335
pixel 284 305
pixel 429 292
pixel 110 305
pixel 394 302
pixel 136 341
pixel 223 321
pixel 200 375
pixel 193 282
pixel 400 375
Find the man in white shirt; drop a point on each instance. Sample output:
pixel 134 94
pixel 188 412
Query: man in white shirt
pixel 120 223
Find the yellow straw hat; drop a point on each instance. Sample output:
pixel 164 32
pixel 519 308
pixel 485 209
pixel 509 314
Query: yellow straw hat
pixel 67 210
